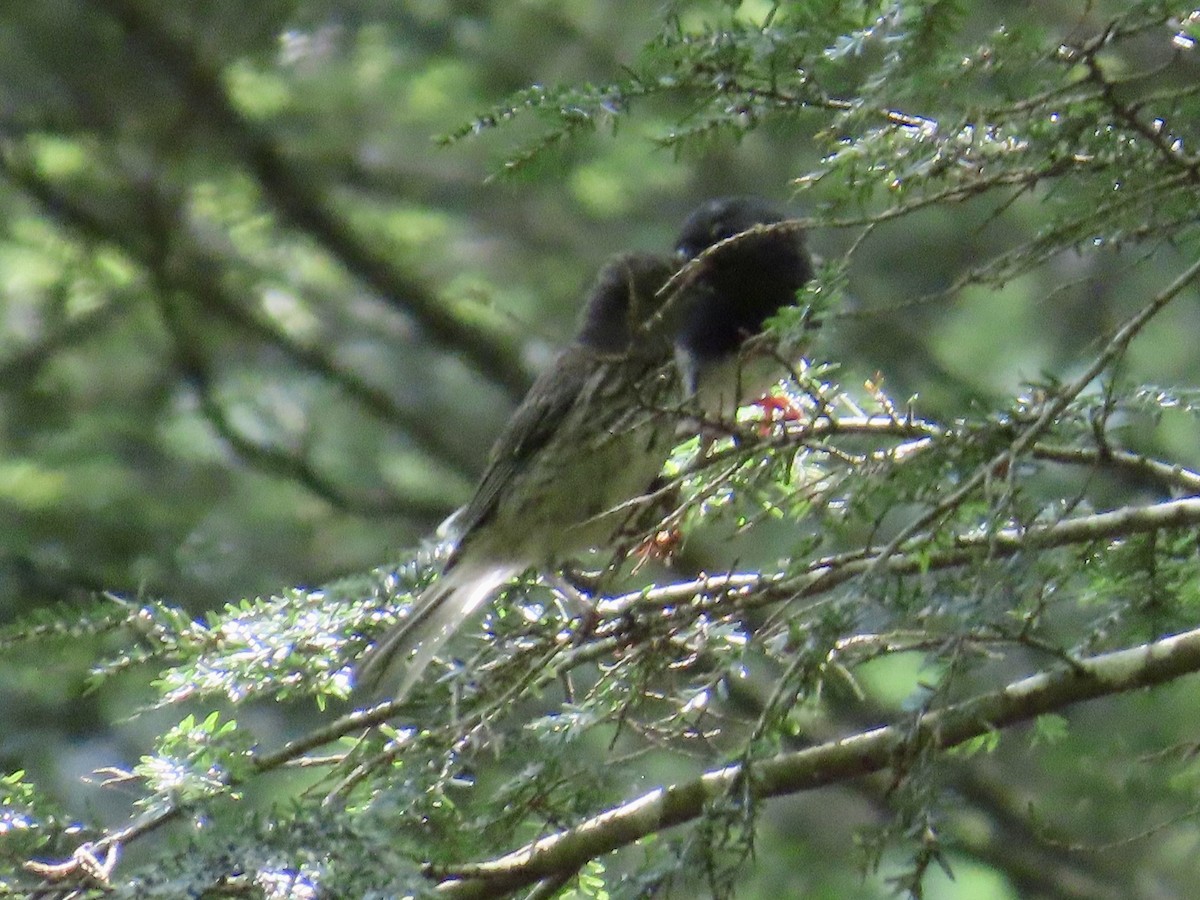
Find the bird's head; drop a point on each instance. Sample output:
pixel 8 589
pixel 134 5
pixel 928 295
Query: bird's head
pixel 741 284
pixel 722 218
pixel 623 298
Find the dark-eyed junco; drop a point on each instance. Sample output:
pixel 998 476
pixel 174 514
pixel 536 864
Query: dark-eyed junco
pixel 595 428
pixel 738 286
pixel 589 437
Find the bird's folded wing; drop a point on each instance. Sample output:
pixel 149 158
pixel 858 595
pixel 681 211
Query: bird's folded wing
pixel 531 427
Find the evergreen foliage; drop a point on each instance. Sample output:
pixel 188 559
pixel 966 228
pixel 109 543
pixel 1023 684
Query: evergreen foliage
pixel 258 331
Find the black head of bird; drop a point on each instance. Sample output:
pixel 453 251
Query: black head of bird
pixel 737 286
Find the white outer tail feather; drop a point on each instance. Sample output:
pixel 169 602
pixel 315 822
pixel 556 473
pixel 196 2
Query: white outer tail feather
pixel 436 615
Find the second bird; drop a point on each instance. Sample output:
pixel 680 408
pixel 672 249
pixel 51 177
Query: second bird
pixel 726 301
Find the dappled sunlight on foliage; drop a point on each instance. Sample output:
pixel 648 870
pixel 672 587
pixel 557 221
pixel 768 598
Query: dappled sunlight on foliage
pixel 271 281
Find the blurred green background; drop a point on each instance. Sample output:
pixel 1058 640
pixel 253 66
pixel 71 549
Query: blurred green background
pixel 263 336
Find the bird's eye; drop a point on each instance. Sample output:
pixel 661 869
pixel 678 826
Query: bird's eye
pixel 722 231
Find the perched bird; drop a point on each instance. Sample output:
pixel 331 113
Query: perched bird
pixel 588 438
pixel 596 427
pixel 736 287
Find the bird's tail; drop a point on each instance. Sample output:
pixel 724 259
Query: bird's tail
pixel 433 619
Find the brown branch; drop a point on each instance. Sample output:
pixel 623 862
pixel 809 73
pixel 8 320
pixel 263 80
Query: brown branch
pixel 860 754
pixel 1175 476
pixel 1050 412
pixel 744 589
pixel 751 590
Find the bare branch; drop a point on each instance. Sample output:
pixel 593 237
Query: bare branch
pixel 830 763
pixel 749 590
pixel 1052 410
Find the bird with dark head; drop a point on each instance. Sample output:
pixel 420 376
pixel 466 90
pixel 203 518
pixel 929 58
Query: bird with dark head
pixel 592 434
pixel 744 275
pixel 588 438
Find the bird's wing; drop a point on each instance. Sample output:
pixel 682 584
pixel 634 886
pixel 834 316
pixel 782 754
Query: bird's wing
pixel 531 427
pixel 468 581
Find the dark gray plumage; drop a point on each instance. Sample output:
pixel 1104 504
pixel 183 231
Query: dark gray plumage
pixel 737 288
